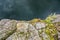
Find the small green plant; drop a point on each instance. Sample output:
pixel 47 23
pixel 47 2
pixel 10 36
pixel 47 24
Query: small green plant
pixel 50 28
pixel 50 18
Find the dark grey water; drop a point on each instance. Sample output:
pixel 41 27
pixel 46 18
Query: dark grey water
pixel 28 9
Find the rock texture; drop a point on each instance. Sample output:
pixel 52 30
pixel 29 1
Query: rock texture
pixel 7 27
pixel 28 30
pixel 57 24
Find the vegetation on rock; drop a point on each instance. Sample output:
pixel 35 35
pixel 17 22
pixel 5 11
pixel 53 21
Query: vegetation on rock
pixel 35 29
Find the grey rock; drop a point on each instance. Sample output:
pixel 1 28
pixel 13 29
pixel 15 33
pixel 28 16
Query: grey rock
pixel 57 18
pixel 7 29
pixel 25 32
pixel 3 21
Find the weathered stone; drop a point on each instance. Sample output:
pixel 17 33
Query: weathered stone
pixel 7 29
pixel 57 18
pixel 25 31
pixel 29 30
pixel 3 21
pixel 57 24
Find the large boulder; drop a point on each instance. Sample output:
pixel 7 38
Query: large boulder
pixel 36 29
